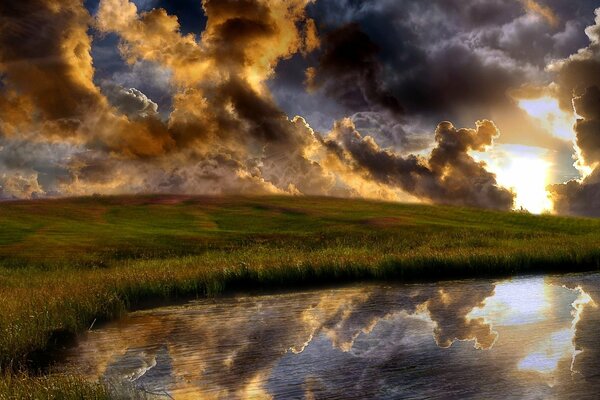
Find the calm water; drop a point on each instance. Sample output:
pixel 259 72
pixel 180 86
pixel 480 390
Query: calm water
pixel 526 338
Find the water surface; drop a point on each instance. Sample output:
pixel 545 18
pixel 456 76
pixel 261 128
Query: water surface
pixel 525 338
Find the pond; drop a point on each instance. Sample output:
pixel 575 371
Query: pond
pixel 526 338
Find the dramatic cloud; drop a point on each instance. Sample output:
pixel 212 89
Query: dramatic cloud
pixel 450 175
pixel 579 75
pixel 583 197
pixel 429 51
pixel 582 69
pixel 130 102
pixel 203 98
pixel 587 128
pixel 436 60
pixel 350 71
pixel 45 57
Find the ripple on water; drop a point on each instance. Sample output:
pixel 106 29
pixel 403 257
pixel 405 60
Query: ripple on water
pixel 532 337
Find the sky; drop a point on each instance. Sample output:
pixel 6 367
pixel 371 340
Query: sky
pixel 483 103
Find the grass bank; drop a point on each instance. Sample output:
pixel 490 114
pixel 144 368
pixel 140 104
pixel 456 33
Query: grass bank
pixel 67 263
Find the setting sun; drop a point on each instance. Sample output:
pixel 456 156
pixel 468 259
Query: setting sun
pixel 528 178
pixel 526 172
pixel 243 199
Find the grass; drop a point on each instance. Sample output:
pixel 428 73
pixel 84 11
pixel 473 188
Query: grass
pixel 67 263
pixel 21 386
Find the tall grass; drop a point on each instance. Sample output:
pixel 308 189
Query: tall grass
pixel 63 387
pixel 67 264
pixel 66 387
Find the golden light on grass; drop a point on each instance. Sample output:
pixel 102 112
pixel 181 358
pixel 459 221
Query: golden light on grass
pixel 52 258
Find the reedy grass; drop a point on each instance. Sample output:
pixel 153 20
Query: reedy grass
pixel 65 264
pixel 66 387
pixel 63 387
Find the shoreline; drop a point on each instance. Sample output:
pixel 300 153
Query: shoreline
pixel 67 263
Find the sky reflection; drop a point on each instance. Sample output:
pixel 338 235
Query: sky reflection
pixel 473 339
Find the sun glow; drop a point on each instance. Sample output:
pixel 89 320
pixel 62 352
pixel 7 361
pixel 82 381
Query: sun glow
pixel 528 177
pixel 532 302
pixel 545 359
pixel 526 171
pixel 546 111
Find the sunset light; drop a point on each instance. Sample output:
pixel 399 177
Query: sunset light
pixel 546 111
pixel 528 177
pixel 285 199
pixel 526 172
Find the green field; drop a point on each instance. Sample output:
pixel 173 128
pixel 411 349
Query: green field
pixel 67 263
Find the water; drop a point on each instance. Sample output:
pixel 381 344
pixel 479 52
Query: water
pixel 526 338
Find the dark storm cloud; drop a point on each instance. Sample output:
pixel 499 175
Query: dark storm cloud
pixel 583 197
pixel 579 76
pixel 350 71
pixel 580 70
pixel 450 175
pixel 587 128
pixel 185 96
pixel 578 198
pixel 425 53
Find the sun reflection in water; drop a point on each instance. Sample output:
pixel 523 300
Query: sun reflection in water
pixel 258 346
pixel 516 302
pixel 531 302
pixel 545 359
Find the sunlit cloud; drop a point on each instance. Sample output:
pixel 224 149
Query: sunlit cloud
pixel 543 11
pixel 547 112
pixel 215 122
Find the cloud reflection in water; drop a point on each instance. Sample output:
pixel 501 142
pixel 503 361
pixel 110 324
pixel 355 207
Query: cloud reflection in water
pixel 469 339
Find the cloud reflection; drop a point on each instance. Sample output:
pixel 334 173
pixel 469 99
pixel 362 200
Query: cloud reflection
pixel 369 339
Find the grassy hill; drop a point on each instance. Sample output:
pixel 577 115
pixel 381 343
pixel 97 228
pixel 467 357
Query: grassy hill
pixel 66 263
pixel 97 232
